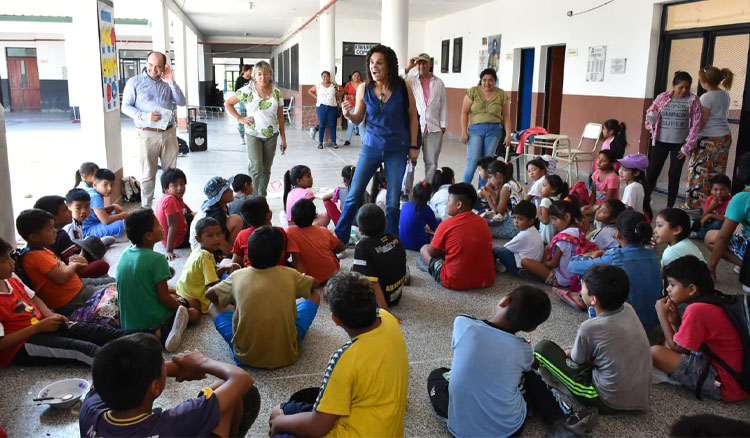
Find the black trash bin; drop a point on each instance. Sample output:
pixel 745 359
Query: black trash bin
pixel 198 132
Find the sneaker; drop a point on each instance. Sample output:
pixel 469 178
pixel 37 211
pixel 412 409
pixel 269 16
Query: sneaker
pixel 312 133
pixel 693 235
pixel 526 275
pixel 334 145
pixel 404 197
pixel 320 145
pixel 347 143
pixel 499 267
pixel 108 241
pixel 737 269
pixel 242 140
pixel 582 423
pixel 178 328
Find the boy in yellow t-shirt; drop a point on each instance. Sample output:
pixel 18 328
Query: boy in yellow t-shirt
pixel 200 271
pixel 365 383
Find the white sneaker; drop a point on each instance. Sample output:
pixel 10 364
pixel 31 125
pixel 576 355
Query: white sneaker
pixel 312 133
pixel 737 269
pixel 178 328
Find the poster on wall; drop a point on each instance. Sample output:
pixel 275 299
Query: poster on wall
pixel 595 67
pixel 108 47
pixel 484 57
pixel 618 66
pixel 493 49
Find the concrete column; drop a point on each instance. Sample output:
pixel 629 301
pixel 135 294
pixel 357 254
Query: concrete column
pixel 159 26
pixel 192 68
pixel 328 40
pixel 394 28
pixel 7 218
pixel 180 68
pixel 100 129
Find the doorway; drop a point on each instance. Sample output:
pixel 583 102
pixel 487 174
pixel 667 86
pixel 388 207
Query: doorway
pixel 23 77
pixel 553 88
pixel 525 85
pixel 354 58
pixel 724 48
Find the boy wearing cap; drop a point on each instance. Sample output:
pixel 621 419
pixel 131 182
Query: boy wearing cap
pixel 633 174
pixel 218 193
pixel 429 96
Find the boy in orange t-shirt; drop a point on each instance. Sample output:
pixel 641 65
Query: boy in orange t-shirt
pixel 56 283
pixel 317 245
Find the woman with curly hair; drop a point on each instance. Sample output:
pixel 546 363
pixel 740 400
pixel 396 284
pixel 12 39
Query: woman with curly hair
pixel 386 102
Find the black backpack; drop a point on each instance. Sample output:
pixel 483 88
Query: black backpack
pixel 737 308
pixel 20 271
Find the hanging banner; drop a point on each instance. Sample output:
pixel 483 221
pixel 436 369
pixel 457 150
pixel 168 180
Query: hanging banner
pixel 109 64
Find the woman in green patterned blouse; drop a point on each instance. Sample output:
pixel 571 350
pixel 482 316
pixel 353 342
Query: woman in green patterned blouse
pixel 264 123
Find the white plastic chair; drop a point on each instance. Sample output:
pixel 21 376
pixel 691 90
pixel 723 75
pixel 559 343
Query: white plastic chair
pixel 591 133
pixel 288 110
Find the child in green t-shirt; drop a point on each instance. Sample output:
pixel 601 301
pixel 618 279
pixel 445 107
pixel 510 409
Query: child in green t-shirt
pixel 146 302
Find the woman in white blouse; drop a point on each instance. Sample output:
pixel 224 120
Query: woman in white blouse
pixel 326 95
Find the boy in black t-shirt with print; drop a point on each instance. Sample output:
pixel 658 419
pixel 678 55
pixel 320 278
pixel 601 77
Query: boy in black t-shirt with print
pixel 380 256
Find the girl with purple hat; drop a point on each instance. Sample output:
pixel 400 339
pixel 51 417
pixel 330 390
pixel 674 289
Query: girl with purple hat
pixel 633 173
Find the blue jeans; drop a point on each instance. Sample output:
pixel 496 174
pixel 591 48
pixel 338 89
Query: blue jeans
pixel 506 257
pixel 360 128
pixel 368 162
pixel 713 224
pixel 483 141
pixel 116 229
pixel 326 116
pixel 306 311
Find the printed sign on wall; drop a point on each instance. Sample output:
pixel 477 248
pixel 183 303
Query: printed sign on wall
pixel 595 67
pixel 108 47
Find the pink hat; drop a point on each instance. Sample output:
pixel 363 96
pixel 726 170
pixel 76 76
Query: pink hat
pixel 634 161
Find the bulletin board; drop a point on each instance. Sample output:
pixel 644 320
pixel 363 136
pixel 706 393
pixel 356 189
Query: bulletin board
pixel 109 64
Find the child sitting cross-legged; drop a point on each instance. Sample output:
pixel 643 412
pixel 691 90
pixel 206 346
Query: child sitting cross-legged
pixel 460 254
pixel 200 271
pixel 480 394
pixel 527 244
pixel 704 326
pixel 32 334
pixel 104 220
pixel 256 213
pixel 609 366
pixel 56 282
pixel 416 217
pixel 218 194
pixel 146 302
pixel 637 260
pixel 606 215
pixel 129 374
pixel 365 384
pixel 93 247
pixel 256 310
pixel 242 185
pixel 380 256
pixel 715 206
pixel 673 227
pixel 173 214
pixel 317 245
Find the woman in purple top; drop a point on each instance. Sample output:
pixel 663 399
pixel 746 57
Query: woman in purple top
pixel 387 103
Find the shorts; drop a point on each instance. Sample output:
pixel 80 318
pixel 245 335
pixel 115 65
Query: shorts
pixel 436 265
pixel 306 311
pixel 688 373
pixel 738 243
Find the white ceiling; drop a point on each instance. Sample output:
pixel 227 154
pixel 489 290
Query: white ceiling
pixel 268 19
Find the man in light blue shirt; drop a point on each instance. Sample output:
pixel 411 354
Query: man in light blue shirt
pixel 143 97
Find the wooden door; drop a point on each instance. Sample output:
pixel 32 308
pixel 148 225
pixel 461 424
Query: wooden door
pixel 24 84
pixel 554 85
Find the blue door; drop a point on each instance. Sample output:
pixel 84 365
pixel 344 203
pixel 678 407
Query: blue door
pixel 524 89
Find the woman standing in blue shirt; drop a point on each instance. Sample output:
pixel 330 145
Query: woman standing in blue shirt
pixel 640 263
pixel 387 103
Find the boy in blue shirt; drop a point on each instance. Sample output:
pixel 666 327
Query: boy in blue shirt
pixel 481 395
pixel 103 220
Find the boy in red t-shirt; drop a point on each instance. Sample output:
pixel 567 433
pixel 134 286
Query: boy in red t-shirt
pixel 31 334
pixel 714 207
pixel 702 323
pixel 317 245
pixel 256 213
pixel 464 242
pixel 172 212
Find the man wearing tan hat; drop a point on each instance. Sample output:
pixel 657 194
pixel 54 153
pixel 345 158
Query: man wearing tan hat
pixel 429 96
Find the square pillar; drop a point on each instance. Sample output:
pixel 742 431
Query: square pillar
pixel 94 72
pixel 180 68
pixel 159 24
pixel 192 69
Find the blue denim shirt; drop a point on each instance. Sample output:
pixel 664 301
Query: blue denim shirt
pixel 142 94
pixel 644 271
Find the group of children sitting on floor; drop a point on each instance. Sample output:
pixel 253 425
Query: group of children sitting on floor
pixel 264 313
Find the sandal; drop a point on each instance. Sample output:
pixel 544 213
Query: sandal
pixel 565 296
pixel 320 145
